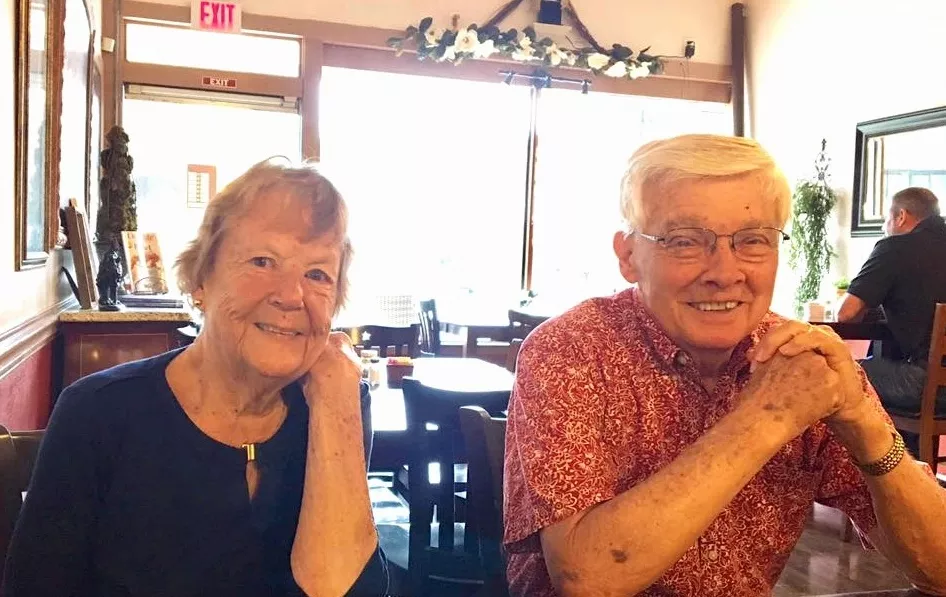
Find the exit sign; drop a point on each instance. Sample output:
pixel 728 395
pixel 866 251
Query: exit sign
pixel 219 82
pixel 222 17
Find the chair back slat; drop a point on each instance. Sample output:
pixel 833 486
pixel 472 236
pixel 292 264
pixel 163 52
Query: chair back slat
pixel 429 327
pixel 18 452
pixel 521 324
pixel 936 366
pixel 512 354
pixel 389 341
pixel 444 445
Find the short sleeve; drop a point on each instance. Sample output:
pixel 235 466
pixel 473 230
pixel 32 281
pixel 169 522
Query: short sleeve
pixel 877 275
pixel 556 462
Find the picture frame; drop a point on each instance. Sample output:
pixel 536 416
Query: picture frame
pixel 76 76
pixel 83 254
pixel 35 203
pixel 93 166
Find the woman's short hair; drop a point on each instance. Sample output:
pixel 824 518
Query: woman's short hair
pixel 292 185
pixel 700 157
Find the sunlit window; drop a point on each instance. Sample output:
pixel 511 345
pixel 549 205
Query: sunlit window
pixel 584 144
pixel 434 174
pixel 165 150
pixel 191 48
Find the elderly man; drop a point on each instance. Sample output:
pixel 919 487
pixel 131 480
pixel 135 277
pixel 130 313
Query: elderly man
pixel 670 440
pixel 906 273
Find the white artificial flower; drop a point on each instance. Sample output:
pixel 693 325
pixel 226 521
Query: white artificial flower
pixel 523 54
pixel 618 69
pixel 467 41
pixel 485 49
pixel 432 36
pixel 597 61
pixel 449 54
pixel 571 58
pixel 556 55
pixel 639 70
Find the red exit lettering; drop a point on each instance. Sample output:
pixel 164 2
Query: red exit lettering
pixel 217 15
pixel 219 82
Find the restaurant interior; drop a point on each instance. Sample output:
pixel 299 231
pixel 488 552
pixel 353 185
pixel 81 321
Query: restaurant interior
pixel 483 197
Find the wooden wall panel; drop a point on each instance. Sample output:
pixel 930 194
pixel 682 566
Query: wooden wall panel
pixel 26 391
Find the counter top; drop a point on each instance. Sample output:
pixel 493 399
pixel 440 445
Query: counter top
pixel 126 315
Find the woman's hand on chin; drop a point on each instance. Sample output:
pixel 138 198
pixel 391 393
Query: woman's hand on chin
pixel 336 374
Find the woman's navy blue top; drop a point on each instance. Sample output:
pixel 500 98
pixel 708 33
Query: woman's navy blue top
pixel 129 498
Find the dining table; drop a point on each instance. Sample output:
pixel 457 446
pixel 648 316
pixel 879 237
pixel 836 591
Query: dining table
pixel 877 332
pixel 388 416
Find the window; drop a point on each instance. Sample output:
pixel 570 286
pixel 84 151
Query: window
pixel 191 48
pixel 584 142
pixel 174 132
pixel 434 172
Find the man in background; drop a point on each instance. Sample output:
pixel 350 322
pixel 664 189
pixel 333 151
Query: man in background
pixel 906 274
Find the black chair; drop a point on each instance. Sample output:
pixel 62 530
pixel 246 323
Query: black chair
pixel 429 328
pixel 512 354
pixel 404 341
pixel 520 324
pixel 485 439
pixel 437 558
pixel 17 455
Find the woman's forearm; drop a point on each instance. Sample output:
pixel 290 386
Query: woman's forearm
pixel 622 546
pixel 336 534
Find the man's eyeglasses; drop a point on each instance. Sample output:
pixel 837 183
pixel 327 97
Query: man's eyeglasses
pixel 749 244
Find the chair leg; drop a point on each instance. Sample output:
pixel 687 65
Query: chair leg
pixel 847 529
pixel 928 449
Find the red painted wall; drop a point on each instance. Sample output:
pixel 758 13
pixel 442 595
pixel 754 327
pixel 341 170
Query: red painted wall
pixel 26 392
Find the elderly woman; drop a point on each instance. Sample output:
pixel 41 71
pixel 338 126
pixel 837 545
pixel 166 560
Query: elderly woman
pixel 670 439
pixel 237 465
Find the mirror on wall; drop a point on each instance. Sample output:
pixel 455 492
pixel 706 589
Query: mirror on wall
pixel 894 153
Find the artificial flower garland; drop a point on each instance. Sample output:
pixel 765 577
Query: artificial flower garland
pixel 459 44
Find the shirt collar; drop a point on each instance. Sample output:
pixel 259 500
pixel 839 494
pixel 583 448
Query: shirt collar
pixel 930 223
pixel 670 355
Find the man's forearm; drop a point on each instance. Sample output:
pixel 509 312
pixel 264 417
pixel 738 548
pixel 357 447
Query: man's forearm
pixel 909 505
pixel 335 535
pixel 624 545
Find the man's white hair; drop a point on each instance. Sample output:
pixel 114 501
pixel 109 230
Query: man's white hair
pixel 700 157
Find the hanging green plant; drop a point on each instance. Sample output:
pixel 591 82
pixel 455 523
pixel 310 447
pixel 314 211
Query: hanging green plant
pixel 812 203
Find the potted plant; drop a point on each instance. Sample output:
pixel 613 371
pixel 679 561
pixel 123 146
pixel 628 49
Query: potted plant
pixel 841 286
pixel 809 253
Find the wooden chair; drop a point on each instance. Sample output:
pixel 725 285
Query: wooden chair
pixel 930 421
pixel 521 324
pixel 404 341
pixel 429 328
pixel 485 439
pixel 17 455
pixel 512 354
pixel 437 556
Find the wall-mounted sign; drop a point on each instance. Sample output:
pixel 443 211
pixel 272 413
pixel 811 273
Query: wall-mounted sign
pixel 219 82
pixel 222 17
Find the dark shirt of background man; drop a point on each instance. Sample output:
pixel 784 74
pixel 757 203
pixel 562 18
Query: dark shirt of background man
pixel 907 275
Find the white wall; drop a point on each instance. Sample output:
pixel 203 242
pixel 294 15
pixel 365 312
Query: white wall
pixel 28 292
pixel 818 67
pixel 664 25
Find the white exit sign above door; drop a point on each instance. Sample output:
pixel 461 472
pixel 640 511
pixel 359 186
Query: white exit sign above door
pixel 221 17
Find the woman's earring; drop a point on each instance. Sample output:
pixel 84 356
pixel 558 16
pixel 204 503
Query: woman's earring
pixel 198 304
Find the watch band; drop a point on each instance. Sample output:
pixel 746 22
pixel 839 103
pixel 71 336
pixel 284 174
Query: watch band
pixel 889 461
